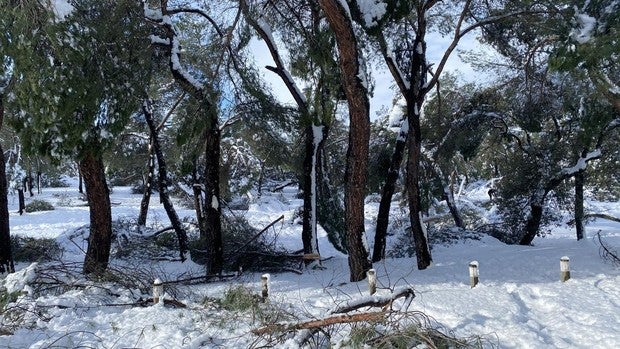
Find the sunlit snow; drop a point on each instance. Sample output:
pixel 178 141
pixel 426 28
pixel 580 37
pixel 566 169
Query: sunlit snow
pixel 518 303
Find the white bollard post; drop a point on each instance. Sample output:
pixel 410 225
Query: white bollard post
pixel 265 286
pixel 473 274
pixel 372 281
pixel 158 290
pixel 564 268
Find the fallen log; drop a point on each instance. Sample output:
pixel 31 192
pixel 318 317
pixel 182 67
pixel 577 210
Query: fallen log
pixel 318 323
pixel 376 301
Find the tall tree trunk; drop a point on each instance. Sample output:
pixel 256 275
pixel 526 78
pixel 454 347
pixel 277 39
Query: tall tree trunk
pixel 163 182
pixel 383 216
pixel 414 148
pixel 579 211
pixel 314 142
pixel 80 180
pixel 39 175
pixel 6 255
pixel 198 198
pixel 98 194
pixel 211 232
pixel 359 135
pixel 30 182
pixel 148 187
pixel 21 200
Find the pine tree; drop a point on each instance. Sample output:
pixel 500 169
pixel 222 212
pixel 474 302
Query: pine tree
pixel 78 78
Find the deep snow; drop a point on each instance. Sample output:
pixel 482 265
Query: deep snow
pixel 519 302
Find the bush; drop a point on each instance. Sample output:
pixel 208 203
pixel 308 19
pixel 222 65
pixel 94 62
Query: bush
pixel 39 205
pixel 240 298
pixel 27 249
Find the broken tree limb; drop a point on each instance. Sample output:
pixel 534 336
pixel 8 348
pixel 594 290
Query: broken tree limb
pixel 603 216
pixel 375 301
pixel 606 252
pixel 597 215
pixel 257 235
pixel 318 323
pixel 338 316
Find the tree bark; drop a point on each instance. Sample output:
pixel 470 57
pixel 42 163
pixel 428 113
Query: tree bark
pixel 211 231
pixel 148 188
pixel 6 255
pixel 163 182
pixel 39 177
pixel 359 135
pixel 414 150
pixel 532 225
pixel 383 216
pixel 80 180
pixel 21 200
pixel 98 194
pixel 30 182
pixel 315 138
pixel 579 211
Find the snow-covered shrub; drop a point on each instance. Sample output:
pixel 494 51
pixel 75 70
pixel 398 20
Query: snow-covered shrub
pixel 39 205
pixel 448 235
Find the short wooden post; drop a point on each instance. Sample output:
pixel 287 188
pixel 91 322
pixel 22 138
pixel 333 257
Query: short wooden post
pixel 265 286
pixel 158 290
pixel 564 268
pixel 473 274
pixel 372 281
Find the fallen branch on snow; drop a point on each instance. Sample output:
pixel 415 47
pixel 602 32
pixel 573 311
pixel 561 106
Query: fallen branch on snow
pixel 339 316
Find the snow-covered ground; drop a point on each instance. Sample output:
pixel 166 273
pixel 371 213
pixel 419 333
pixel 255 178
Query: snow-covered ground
pixel 519 302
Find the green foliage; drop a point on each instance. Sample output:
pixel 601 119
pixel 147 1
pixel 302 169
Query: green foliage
pixel 39 205
pixel 382 141
pixel 79 78
pixel 412 330
pixel 167 240
pixel 588 38
pixel 27 249
pixel 240 299
pixel 7 298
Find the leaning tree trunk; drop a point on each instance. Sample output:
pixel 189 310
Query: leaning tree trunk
pixel 414 148
pixel 211 231
pixel 532 225
pixel 448 195
pixel 389 187
pixel 6 255
pixel 163 183
pixel 359 135
pixel 148 188
pixel 580 178
pixel 98 194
